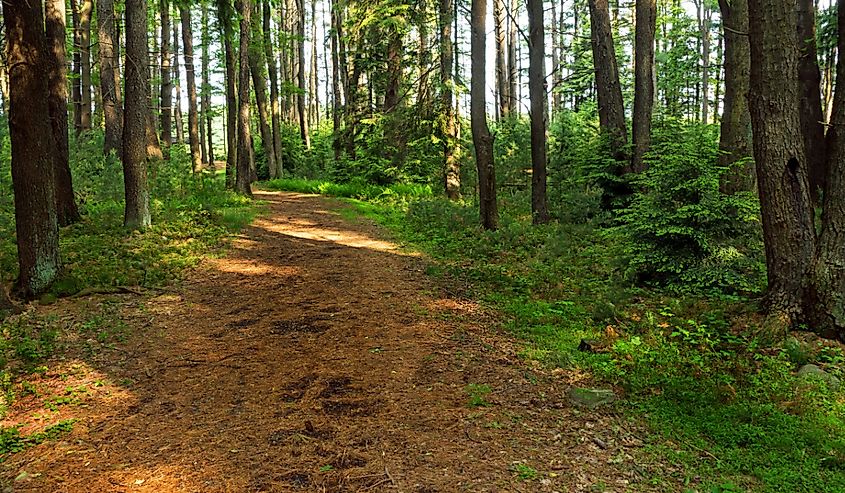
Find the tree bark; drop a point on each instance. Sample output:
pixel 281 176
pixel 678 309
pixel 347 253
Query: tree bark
pixel 193 116
pixel 452 166
pixel 85 57
pixel 300 99
pixel 608 88
pixel 513 42
pixel 166 96
pixel 259 83
pixel 225 20
pixel 735 134
pixel 76 82
pixel 502 86
pixel 66 210
pixel 809 78
pixel 244 173
pixel 36 223
pixel 135 114
pixel 394 71
pixel 275 111
pixel 537 93
pixel 177 85
pixel 336 69
pixel 482 140
pixel 109 78
pixel 781 163
pixel 646 12
pixel 704 28
pixel 557 53
pixel 205 91
pixel 826 302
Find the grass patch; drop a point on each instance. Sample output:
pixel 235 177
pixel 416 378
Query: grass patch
pixel 11 440
pixel 727 411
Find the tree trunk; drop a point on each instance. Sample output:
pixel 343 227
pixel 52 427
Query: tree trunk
pixel 314 79
pixel 557 53
pixel 206 88
pixel 704 29
pixel 193 117
pixel 643 81
pixel 30 132
pixel 244 175
pixel 513 42
pixel 394 71
pixel 275 111
pixel 735 134
pixel 76 82
pixel 137 211
pixel 780 159
pixel 177 85
pixel 85 57
pixel 609 90
pixel 336 68
pixel 300 99
pixel 826 303
pixel 259 83
pixel 166 96
pixel 500 22
pixel 109 78
pixel 66 210
pixel 483 141
pixel 423 57
pixel 809 79
pixel 537 93
pixel 225 21
pixel 452 166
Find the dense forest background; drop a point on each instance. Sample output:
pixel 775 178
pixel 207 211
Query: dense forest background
pixel 631 184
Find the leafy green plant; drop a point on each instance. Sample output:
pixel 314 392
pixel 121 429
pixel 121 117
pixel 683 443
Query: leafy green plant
pixel 478 395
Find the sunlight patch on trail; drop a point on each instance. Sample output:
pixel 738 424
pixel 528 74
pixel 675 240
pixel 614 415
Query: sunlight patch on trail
pixel 316 233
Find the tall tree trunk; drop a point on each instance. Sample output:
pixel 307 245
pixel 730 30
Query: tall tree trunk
pixel 33 165
pixel 537 93
pixel 826 302
pixel 394 70
pixel 76 82
pixel 809 79
pixel 244 174
pixel 275 111
pixel 643 81
pixel 314 79
pixel 513 59
pixel 779 154
pixel 500 22
pixel 166 96
pixel 452 166
pixel 609 90
pixel 225 21
pixel 206 88
pixel 193 117
pixel 300 99
pixel 85 53
pixel 423 57
pixel 483 141
pixel 259 83
pixel 735 135
pixel 109 77
pixel 177 85
pixel 137 211
pixel 556 64
pixel 66 210
pixel 336 68
pixel 704 29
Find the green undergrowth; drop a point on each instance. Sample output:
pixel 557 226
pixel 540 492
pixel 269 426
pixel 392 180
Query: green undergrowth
pixel 725 412
pixel 191 217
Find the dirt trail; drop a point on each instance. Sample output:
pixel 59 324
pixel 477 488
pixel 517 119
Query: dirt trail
pixel 316 356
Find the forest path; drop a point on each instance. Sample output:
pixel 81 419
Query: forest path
pixel 317 356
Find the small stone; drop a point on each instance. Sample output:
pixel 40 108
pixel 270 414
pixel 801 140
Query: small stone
pixel 813 372
pixel 591 398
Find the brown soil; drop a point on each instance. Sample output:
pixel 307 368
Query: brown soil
pixel 314 356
